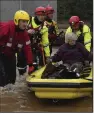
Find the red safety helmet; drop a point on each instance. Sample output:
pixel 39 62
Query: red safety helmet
pixel 40 11
pixel 49 10
pixel 74 21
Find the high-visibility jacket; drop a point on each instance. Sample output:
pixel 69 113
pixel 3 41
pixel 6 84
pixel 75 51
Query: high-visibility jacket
pixel 43 30
pixel 13 39
pixel 83 36
pixel 52 29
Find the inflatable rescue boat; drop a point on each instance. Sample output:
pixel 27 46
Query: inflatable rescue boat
pixel 60 88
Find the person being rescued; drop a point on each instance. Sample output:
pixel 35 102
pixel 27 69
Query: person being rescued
pixel 72 53
pixel 82 31
pixel 38 33
pixel 52 26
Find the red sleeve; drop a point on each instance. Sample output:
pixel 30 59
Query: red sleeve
pixel 27 49
pixel 4 29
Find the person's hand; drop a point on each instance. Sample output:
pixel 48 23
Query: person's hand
pixel 31 69
pixel 31 31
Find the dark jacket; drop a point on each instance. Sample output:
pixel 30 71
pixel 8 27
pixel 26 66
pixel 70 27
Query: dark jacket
pixel 71 54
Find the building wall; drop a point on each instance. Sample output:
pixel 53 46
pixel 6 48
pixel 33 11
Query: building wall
pixel 9 7
pixel 30 6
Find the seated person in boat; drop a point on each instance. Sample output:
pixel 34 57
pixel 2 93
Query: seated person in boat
pixel 72 53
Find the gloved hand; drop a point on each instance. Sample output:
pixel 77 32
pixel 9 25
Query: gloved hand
pixel 31 69
pixel 48 60
pixel 31 31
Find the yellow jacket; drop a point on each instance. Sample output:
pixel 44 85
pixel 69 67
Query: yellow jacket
pixel 86 34
pixel 44 40
pixel 54 24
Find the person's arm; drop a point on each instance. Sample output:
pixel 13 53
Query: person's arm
pixel 27 49
pixel 28 53
pixel 86 54
pixel 87 40
pixel 58 55
pixel 87 37
pixel 56 28
pixel 4 29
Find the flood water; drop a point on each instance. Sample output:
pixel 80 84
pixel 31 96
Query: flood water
pixel 20 99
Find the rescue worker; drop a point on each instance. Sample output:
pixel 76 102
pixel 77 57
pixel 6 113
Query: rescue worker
pixel 13 38
pixel 72 53
pixel 38 33
pixel 52 26
pixel 82 31
pixel 37 26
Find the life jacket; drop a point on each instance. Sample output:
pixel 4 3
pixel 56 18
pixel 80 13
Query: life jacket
pixel 51 31
pixel 51 28
pixel 37 36
pixel 43 42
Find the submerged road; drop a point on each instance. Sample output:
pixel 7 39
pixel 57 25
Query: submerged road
pixel 20 99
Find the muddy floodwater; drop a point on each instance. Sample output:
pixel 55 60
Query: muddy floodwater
pixel 18 98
